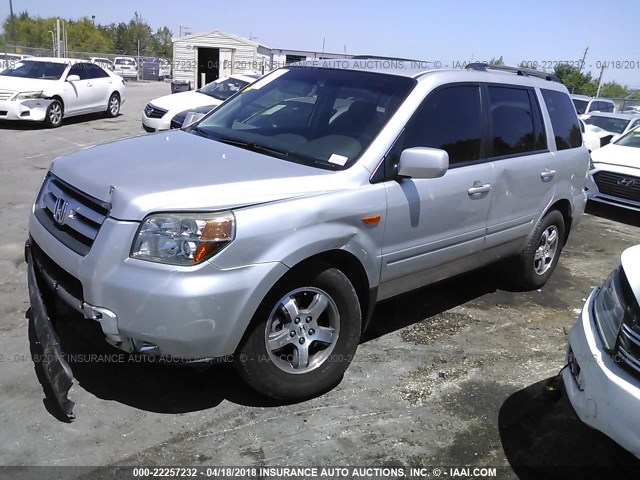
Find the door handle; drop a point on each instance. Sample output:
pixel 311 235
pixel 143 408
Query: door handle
pixel 479 188
pixel 547 174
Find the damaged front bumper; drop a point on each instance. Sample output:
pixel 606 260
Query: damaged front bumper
pixel 33 110
pixel 56 369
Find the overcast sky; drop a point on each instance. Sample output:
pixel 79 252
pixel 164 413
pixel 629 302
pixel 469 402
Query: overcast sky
pixel 445 31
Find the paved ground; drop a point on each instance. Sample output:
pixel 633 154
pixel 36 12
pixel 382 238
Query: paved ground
pixel 449 375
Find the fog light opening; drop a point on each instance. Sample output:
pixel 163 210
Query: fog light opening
pixel 575 370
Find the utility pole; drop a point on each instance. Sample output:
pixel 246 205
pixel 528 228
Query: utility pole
pixel 13 24
pixel 600 80
pixel 583 59
pixel 58 50
pixel 138 35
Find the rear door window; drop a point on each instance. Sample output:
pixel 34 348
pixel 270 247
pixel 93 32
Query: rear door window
pixel 516 121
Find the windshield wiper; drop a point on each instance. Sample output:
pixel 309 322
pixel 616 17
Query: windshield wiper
pixel 199 131
pixel 253 146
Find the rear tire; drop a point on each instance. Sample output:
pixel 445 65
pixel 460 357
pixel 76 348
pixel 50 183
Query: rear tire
pixel 54 114
pixel 303 336
pixel 535 264
pixel 113 105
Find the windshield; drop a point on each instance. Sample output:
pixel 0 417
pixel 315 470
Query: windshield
pixel 581 105
pixel 615 125
pixel 630 139
pixel 316 116
pixel 223 89
pixel 40 70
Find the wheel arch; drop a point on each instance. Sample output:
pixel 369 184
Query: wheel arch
pixel 348 264
pixel 564 207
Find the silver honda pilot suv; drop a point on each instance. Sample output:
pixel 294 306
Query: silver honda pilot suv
pixel 267 231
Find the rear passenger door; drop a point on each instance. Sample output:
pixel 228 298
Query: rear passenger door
pixel 525 169
pixel 435 227
pixel 100 83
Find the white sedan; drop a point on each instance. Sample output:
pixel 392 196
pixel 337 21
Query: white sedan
pixel 50 89
pixel 615 172
pixel 158 113
pixel 602 378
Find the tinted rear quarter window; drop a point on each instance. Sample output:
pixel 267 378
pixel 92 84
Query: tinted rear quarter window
pixel 563 119
pixel 516 121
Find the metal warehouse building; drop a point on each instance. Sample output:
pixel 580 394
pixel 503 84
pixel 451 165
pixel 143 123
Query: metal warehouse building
pixel 201 58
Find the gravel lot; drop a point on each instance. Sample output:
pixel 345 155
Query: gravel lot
pixel 451 375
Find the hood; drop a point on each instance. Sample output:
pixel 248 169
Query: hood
pixel 178 102
pixel 630 261
pixel 597 131
pixel 17 84
pixel 180 171
pixel 613 154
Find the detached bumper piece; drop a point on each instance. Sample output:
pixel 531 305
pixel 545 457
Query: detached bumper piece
pixel 56 369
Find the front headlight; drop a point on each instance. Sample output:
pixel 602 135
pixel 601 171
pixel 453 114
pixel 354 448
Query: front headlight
pixel 183 238
pixel 28 95
pixel 609 308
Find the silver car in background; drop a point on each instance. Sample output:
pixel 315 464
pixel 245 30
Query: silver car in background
pixel 269 238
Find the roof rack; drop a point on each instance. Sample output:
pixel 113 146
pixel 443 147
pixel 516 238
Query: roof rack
pixel 378 57
pixel 525 72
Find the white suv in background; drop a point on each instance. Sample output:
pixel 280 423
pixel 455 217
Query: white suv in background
pixel 126 67
pixel 586 104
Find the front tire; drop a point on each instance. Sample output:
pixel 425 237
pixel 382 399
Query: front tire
pixel 535 264
pixel 303 336
pixel 113 105
pixel 54 114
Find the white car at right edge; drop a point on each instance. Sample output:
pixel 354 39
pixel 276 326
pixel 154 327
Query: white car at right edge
pixel 615 172
pixel 602 377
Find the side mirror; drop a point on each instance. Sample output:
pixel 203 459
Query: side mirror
pixel 73 78
pixel 423 162
pixel 192 117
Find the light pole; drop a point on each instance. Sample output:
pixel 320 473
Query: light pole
pixel 53 42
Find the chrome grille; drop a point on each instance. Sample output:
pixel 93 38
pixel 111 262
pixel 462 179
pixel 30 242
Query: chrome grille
pixel 151 111
pixel 70 215
pixel 618 185
pixel 6 94
pixel 628 348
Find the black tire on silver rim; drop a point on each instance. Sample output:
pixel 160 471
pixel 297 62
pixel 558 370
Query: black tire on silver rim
pixel 54 113
pixel 303 336
pixel 546 250
pixel 302 330
pixel 114 105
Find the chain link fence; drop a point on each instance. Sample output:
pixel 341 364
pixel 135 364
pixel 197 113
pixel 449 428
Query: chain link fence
pixel 80 55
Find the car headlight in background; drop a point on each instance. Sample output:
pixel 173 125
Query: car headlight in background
pixel 610 309
pixel 183 238
pixel 28 95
